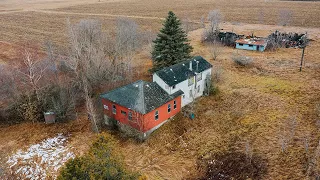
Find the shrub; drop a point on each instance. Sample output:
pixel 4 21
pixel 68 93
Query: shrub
pixel 234 165
pixel 29 108
pixel 242 60
pixel 103 161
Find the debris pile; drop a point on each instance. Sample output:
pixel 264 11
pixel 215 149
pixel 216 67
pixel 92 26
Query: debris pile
pixel 225 38
pixel 42 160
pixel 279 39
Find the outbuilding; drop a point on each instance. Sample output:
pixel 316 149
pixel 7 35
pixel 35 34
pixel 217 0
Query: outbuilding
pixel 253 44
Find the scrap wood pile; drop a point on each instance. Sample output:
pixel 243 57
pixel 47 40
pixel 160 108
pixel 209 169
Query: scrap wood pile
pixel 279 39
pixel 225 38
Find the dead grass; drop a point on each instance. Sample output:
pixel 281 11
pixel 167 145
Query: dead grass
pixel 253 104
pixel 248 11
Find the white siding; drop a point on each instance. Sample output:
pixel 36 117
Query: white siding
pixel 186 98
pixel 161 83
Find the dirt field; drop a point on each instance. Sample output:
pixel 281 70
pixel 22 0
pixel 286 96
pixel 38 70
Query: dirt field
pixel 254 104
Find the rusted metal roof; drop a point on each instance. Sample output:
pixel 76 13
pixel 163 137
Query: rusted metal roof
pixel 252 41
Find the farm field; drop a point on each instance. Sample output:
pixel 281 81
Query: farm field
pixel 254 105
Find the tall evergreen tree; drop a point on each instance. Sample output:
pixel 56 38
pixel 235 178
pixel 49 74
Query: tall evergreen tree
pixel 171 45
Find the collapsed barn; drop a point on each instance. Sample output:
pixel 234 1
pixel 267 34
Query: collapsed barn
pixel 225 38
pixel 279 39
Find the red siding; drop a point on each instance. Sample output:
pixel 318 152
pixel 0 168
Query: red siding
pixel 137 119
pixel 149 118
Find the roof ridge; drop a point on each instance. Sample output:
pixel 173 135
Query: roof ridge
pixel 121 87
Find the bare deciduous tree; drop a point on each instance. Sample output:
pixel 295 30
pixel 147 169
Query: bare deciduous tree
pixel 187 24
pixel 87 59
pixel 215 50
pixel 214 18
pixel 32 70
pixel 211 33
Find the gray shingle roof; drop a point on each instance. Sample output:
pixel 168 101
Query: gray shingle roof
pixel 180 72
pixel 140 96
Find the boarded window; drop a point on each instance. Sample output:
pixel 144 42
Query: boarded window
pixel 174 104
pixel 169 108
pixel 156 115
pixel 114 109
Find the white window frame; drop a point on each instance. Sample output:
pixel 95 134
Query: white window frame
pixel 199 77
pixel 129 115
pixel 114 109
pixel 191 81
pixel 156 115
pixel 174 104
pixel 169 108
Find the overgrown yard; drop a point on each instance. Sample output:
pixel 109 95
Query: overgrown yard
pixel 264 119
pixel 252 113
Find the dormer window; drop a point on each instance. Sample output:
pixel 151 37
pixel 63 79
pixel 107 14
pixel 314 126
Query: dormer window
pixel 174 86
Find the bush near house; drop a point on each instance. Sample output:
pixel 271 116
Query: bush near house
pixel 242 60
pixel 103 161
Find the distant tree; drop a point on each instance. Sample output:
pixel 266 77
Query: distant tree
pixel 215 50
pixel 171 45
pixel 211 33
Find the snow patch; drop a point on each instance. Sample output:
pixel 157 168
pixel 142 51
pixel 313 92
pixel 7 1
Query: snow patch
pixel 41 160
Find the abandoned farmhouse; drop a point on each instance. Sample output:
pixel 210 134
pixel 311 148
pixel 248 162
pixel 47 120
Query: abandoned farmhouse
pixel 142 107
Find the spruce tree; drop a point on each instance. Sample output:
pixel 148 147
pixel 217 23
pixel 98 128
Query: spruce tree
pixel 171 45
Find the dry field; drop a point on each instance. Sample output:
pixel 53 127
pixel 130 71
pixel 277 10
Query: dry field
pixel 254 104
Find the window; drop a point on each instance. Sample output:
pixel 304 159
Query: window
pixel 174 86
pixel 114 109
pixel 250 45
pixel 174 104
pixel 190 81
pixel 198 89
pixel 190 93
pixel 169 108
pixel 183 96
pixel 156 115
pixel 123 113
pixel 130 115
pixel 240 44
pixel 199 77
pixel 105 107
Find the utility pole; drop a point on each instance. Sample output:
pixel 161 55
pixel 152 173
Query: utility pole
pixel 304 45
